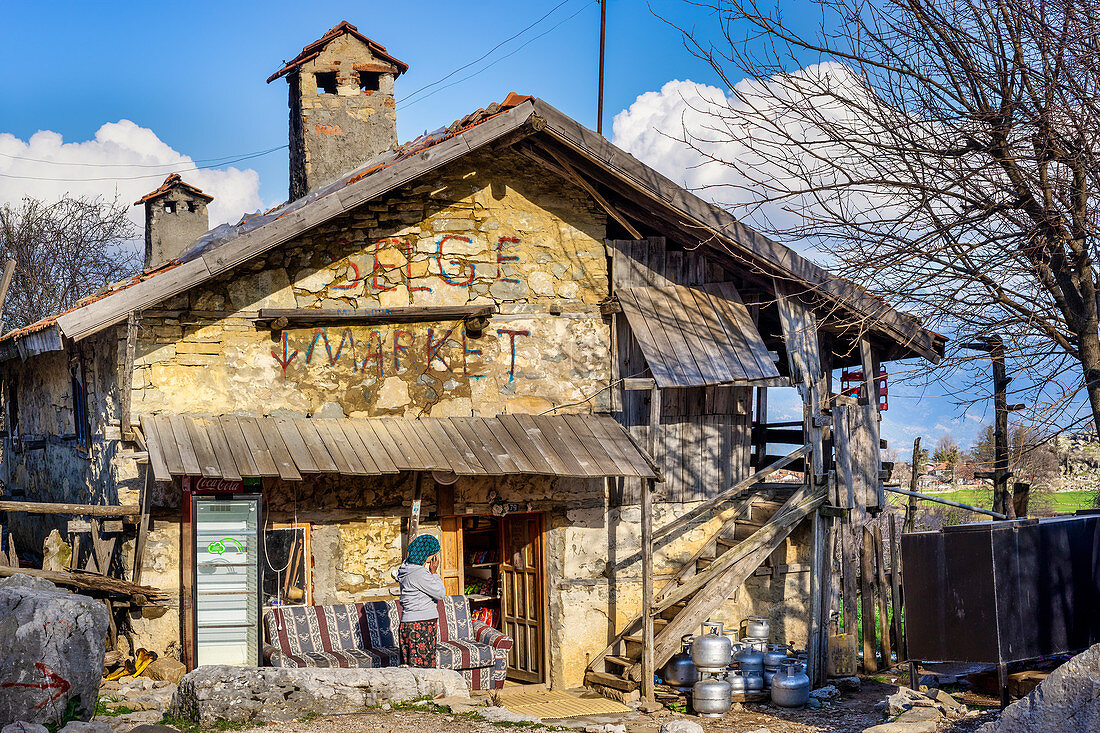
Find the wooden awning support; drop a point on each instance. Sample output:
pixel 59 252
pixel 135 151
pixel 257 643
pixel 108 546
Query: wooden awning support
pixel 279 318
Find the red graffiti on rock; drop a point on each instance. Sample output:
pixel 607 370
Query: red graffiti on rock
pixel 53 681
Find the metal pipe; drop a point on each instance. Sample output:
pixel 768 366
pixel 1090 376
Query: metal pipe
pixel 948 502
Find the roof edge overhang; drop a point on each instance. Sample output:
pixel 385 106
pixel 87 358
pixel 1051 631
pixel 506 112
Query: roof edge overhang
pixel 531 116
pixel 781 261
pixel 83 322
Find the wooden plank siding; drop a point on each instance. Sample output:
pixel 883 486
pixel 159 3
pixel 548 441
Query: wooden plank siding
pixel 704 441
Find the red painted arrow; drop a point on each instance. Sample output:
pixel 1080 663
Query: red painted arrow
pixel 53 681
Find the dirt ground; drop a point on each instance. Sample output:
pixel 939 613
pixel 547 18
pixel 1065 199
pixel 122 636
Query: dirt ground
pixel 851 715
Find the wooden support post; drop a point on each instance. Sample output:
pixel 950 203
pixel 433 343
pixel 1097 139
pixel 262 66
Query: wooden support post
pixel 867 600
pixel 849 572
pixel 143 525
pixel 820 574
pixel 883 593
pixel 126 385
pixel 647 553
pixel 5 281
pixel 760 449
pixel 895 592
pixel 914 476
pixel 414 511
pixel 1002 501
pixel 871 394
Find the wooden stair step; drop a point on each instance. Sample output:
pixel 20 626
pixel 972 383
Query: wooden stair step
pixel 703 562
pixel 606 679
pixel 621 661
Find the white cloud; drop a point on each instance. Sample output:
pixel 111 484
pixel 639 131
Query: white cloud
pixel 734 147
pixel 123 159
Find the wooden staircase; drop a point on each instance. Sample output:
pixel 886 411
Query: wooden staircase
pixel 758 525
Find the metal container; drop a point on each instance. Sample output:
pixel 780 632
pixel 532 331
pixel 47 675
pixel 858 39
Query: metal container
pixel 759 644
pixel 680 671
pixel 976 574
pixel 710 697
pixel 754 682
pixel 790 686
pixel 768 675
pixel 775 655
pixel 750 660
pixel 757 627
pixel 738 682
pixel 712 651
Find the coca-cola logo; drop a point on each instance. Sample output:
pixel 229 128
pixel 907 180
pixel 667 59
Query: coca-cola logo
pixel 206 485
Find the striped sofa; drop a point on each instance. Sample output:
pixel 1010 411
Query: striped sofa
pixel 365 635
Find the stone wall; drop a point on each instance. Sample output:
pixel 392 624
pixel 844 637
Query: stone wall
pixel 484 232
pixel 51 465
pixel 336 132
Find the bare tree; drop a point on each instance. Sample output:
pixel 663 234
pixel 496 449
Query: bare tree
pixel 942 153
pixel 64 251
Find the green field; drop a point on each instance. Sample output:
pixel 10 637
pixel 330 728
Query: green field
pixel 1061 502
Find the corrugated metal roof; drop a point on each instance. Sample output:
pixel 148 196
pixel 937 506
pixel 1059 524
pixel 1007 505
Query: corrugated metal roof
pixel 231 448
pixel 698 336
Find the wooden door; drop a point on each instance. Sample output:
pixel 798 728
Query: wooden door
pixel 450 554
pixel 522 595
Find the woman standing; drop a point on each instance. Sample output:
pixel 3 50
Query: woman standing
pixel 420 589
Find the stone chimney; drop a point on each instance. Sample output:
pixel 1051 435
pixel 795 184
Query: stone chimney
pixel 175 216
pixel 342 110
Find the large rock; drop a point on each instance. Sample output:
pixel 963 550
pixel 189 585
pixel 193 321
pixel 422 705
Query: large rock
pixel 51 651
pixel 1067 701
pixel 267 694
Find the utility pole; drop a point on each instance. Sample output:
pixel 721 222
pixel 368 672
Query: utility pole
pixel 603 32
pixel 1002 499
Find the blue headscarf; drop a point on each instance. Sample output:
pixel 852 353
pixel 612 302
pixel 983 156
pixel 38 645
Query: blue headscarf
pixel 421 548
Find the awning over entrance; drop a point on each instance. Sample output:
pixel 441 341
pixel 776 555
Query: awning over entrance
pixel 232 448
pixel 698 336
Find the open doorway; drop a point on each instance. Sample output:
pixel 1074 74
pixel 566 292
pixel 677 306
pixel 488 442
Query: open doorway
pixel 497 562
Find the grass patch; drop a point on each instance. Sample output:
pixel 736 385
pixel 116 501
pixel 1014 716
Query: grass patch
pixel 190 726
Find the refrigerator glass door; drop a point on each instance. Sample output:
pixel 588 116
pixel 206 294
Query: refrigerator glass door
pixel 227 593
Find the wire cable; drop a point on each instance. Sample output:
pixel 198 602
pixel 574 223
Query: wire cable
pixel 485 55
pixel 142 177
pixel 406 103
pixel 237 156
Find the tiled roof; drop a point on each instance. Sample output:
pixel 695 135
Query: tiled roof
pixel 314 49
pixel 173 181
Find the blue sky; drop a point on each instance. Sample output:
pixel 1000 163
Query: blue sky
pixel 194 75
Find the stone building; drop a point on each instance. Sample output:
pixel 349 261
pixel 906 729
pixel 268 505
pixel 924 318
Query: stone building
pixel 506 332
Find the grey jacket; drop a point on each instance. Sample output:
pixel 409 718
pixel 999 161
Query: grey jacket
pixel 420 589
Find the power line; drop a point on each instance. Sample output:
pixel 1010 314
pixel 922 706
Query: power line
pixel 142 177
pixel 502 58
pixel 235 156
pixel 486 54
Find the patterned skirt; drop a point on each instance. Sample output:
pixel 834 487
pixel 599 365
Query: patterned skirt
pixel 418 641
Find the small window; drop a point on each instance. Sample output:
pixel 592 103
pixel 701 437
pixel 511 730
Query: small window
pixel 192 207
pixel 80 407
pixel 169 207
pixel 326 82
pixel 369 81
